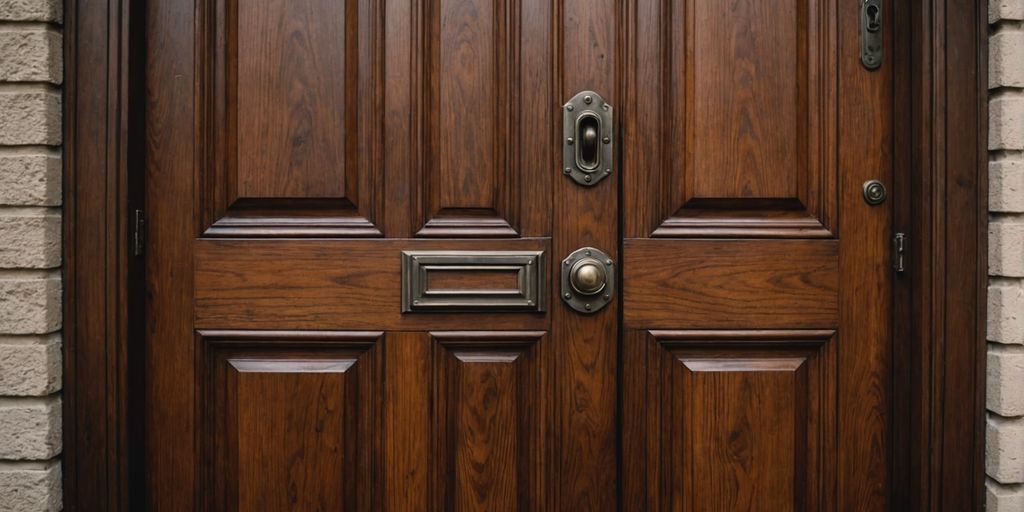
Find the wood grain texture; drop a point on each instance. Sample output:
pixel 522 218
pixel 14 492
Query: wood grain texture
pixel 290 93
pixel 326 284
pixel 103 42
pixel 866 349
pixel 470 180
pixel 407 434
pixel 729 420
pixel 734 132
pixel 586 367
pixel 490 405
pixel 292 419
pixel 297 75
pixel 731 284
pixel 743 74
pixel 171 158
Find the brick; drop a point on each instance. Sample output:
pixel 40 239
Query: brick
pixel 1006 55
pixel 30 366
pixel 30 55
pixel 1006 248
pixel 31 10
pixel 1004 449
pixel 1006 123
pixel 1004 388
pixel 32 238
pixel 30 115
pixel 1005 10
pixel 30 486
pixel 1005 185
pixel 30 302
pixel 29 177
pixel 1006 313
pixel 30 428
pixel 1003 498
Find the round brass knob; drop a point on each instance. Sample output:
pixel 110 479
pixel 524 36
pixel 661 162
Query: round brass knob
pixel 588 276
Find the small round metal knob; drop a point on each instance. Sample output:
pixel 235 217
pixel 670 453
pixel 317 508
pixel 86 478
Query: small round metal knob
pixel 874 192
pixel 588 276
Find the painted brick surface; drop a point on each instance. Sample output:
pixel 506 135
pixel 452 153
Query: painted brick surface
pixel 29 115
pixel 30 365
pixel 31 74
pixel 1001 10
pixel 31 238
pixel 30 428
pixel 30 54
pixel 1005 185
pixel 30 486
pixel 1004 433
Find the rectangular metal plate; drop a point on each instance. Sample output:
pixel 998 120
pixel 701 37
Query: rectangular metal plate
pixel 473 281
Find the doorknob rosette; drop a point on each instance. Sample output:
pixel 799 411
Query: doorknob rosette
pixel 588 280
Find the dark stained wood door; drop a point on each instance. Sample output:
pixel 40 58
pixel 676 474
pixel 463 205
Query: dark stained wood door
pixel 356 223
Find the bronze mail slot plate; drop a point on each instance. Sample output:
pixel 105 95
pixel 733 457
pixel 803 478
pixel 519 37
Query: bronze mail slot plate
pixel 473 281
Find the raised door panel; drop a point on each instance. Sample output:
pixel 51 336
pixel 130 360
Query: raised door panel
pixel 291 419
pixel 488 421
pixel 733 420
pixel 291 92
pixel 472 181
pixel 734 132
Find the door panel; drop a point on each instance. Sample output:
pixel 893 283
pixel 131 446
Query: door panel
pixel 291 419
pixel 756 289
pixel 741 141
pixel 358 218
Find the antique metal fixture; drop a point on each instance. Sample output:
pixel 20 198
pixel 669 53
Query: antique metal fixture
pixel 587 148
pixel 588 280
pixel 874 192
pixel 871 33
pixel 899 252
pixel 424 288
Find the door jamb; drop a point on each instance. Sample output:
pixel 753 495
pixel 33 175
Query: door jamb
pixel 940 353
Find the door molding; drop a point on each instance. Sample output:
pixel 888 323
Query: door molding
pixel 942 204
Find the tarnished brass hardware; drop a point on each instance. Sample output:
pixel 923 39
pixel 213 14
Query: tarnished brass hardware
pixel 874 192
pixel 871 33
pixel 588 280
pixel 588 135
pixel 899 252
pixel 587 276
pixel 419 294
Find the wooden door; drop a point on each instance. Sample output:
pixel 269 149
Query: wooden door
pixel 357 218
pixel 756 346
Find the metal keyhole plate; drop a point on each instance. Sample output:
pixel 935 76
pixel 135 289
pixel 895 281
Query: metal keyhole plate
pixel 588 280
pixel 588 145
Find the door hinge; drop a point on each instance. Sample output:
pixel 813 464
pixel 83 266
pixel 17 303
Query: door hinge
pixel 899 252
pixel 138 232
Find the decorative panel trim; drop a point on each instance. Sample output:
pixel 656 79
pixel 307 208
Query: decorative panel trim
pixel 659 192
pixel 494 380
pixel 419 296
pixel 223 356
pixel 224 213
pixel 500 217
pixel 658 472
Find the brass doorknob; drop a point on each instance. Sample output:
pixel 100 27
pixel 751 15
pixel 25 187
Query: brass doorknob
pixel 587 276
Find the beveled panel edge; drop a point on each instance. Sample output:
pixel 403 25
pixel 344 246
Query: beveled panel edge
pixel 530 296
pixel 289 338
pixel 673 338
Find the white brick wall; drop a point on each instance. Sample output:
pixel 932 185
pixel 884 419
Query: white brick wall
pixel 1004 432
pixel 30 254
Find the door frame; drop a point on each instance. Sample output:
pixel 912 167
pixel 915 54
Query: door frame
pixel 939 323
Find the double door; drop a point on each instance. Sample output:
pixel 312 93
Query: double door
pixel 518 255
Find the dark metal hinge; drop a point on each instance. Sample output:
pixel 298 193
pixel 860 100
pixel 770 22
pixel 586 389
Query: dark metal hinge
pixel 138 232
pixel 899 252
